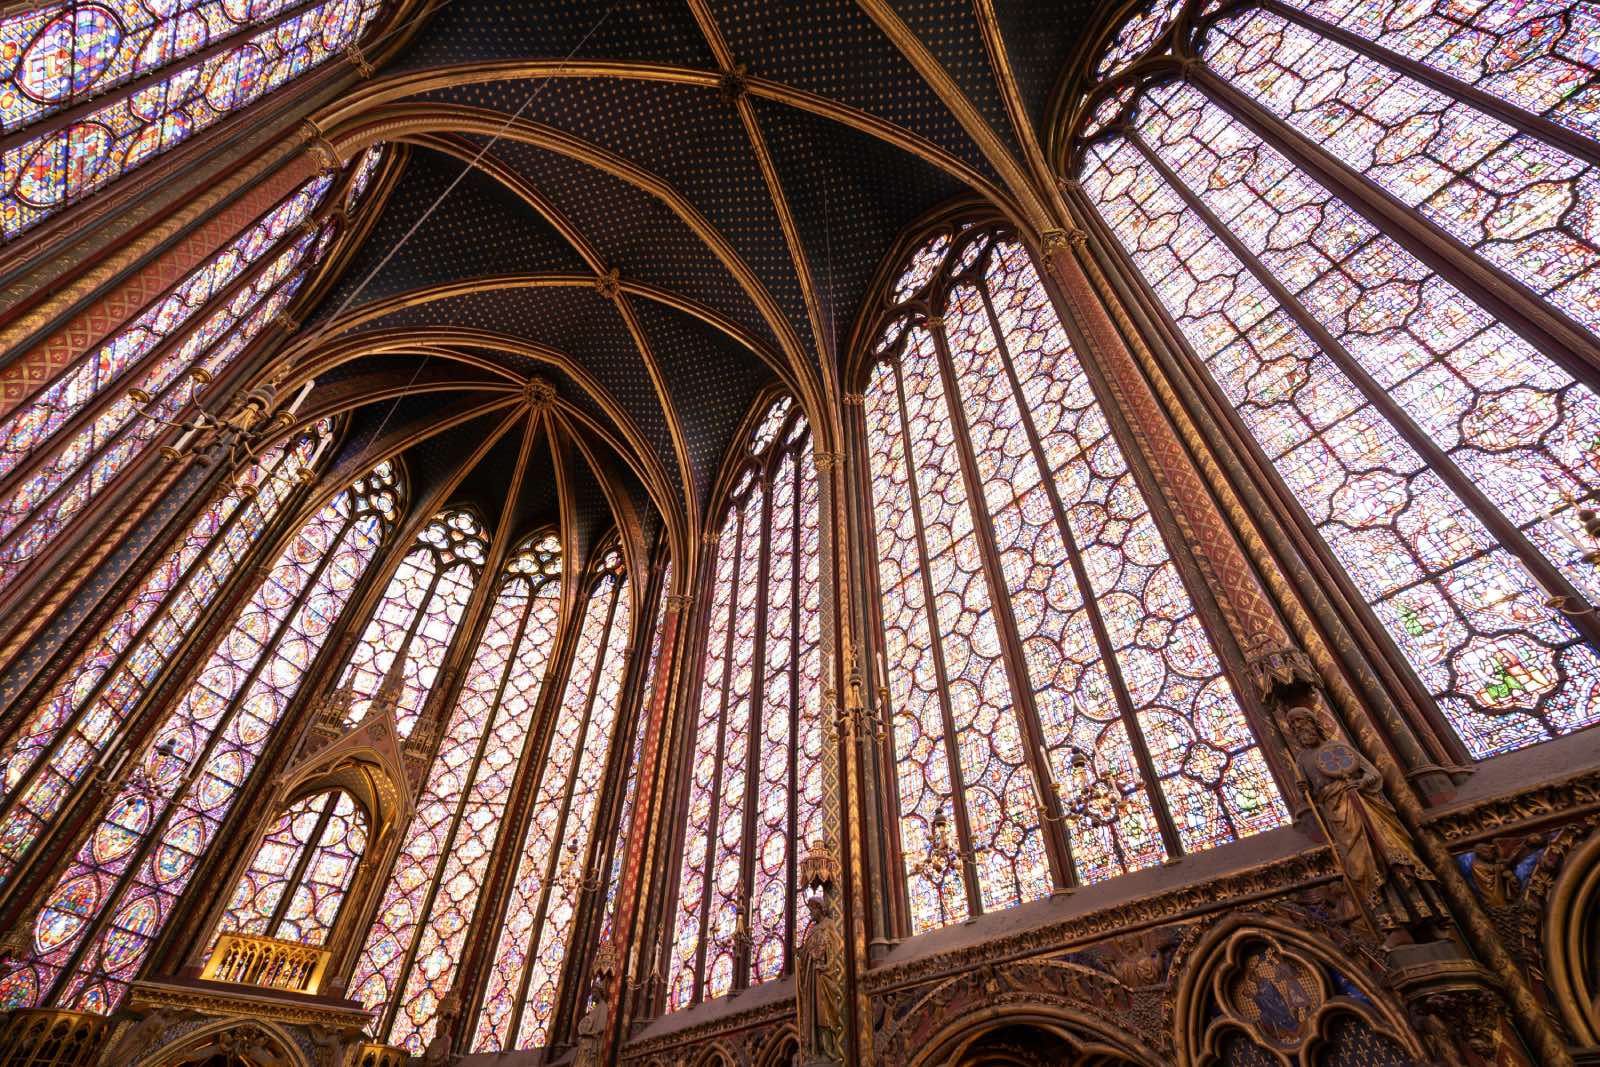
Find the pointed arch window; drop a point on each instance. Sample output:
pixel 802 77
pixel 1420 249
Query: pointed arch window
pixel 94 930
pixel 297 880
pixel 756 778
pixel 1374 227
pixel 417 618
pixel 556 872
pixel 413 949
pixel 78 722
pixel 89 90
pixel 1042 654
pixel 63 446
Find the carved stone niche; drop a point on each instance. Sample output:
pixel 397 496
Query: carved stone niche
pixel 1256 990
pixel 170 1025
pixel 1047 1004
pixel 1570 943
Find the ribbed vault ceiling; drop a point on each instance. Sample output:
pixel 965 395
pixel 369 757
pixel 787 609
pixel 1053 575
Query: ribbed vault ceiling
pixel 740 167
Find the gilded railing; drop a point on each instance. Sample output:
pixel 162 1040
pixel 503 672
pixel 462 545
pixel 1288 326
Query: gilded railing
pixel 266 962
pixel 372 1054
pixel 47 1037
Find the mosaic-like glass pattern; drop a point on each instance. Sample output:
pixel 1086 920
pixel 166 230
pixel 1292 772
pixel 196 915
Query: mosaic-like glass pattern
pixel 301 871
pixel 60 449
pixel 1527 206
pixel 758 744
pixel 1439 448
pixel 415 943
pixel 984 420
pixel 555 873
pixel 1538 55
pixel 1404 417
pixel 97 923
pixel 1136 35
pixel 54 56
pixel 688 920
pixel 418 616
pixel 73 726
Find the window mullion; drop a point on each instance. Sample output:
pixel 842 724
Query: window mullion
pixel 201 558
pixel 1524 121
pixel 1091 603
pixel 160 825
pixel 313 842
pixel 553 861
pixel 1544 327
pixel 1503 530
pixel 391 1010
pixel 1015 663
pixel 958 783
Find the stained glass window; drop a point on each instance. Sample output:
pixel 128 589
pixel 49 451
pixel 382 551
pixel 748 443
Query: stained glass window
pixel 297 880
pixel 170 799
pixel 418 616
pixel 413 949
pixel 757 744
pixel 1439 446
pixel 62 447
pixel 556 874
pixel 135 79
pixel 1058 711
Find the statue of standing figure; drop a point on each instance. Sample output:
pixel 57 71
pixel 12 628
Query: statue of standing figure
pixel 1397 888
pixel 819 964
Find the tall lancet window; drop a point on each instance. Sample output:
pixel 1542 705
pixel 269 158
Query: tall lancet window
pixel 169 799
pixel 556 871
pixel 297 880
pixel 756 779
pixel 73 729
pixel 88 91
pixel 417 617
pixel 1376 228
pixel 64 445
pixel 412 952
pixel 1059 713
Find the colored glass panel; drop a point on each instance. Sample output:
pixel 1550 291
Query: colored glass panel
pixel 758 744
pixel 1529 207
pixel 74 725
pixel 1129 694
pixel 42 173
pixel 1136 35
pixel 66 443
pixel 56 55
pixel 414 945
pixel 1538 55
pixel 1505 669
pixel 106 910
pixel 301 871
pixel 687 924
pixel 526 969
pixel 419 613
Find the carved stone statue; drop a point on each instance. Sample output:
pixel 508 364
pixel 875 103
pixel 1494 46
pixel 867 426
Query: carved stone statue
pixel 439 1049
pixel 1399 891
pixel 819 965
pixel 592 1027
